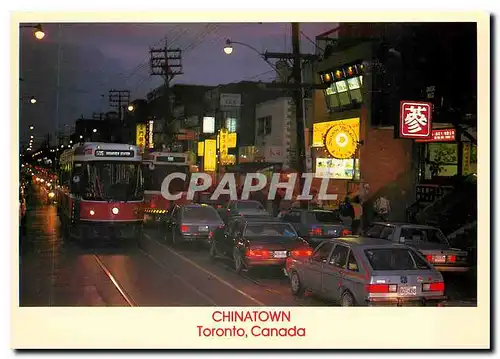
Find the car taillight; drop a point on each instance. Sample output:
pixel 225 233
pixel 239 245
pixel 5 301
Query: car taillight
pixel 433 287
pixel 184 228
pixel 381 288
pixel 346 232
pixel 429 258
pixel 257 253
pixel 315 231
pixel 452 259
pixel 302 252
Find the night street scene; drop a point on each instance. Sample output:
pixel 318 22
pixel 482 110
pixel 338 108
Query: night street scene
pixel 248 164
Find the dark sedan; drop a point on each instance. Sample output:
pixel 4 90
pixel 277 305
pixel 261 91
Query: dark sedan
pixel 315 225
pixel 258 242
pixel 192 223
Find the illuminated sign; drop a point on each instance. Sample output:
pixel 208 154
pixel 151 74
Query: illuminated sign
pixel 210 156
pixel 223 147
pixel 440 135
pixel 321 128
pixel 200 149
pixel 150 135
pixel 341 141
pixel 208 124
pixel 113 153
pixel 335 168
pixel 232 139
pixel 140 135
pixel 415 119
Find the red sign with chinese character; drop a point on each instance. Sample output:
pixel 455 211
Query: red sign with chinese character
pixel 440 135
pixel 415 119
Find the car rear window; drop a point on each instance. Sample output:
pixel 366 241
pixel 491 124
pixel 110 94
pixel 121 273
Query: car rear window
pixel 249 205
pixel 200 213
pixel 387 259
pixel 324 217
pixel 269 230
pixel 428 235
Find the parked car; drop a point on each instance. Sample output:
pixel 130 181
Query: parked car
pixel 192 223
pixel 362 271
pixel 257 242
pixel 314 225
pixel 430 241
pixel 245 207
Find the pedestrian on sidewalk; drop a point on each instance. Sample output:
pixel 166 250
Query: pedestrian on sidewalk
pixel 358 215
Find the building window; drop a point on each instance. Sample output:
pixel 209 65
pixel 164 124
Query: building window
pixel 345 86
pixel 264 125
pixel 231 124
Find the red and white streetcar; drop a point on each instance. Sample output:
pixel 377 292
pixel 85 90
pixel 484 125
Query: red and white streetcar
pixel 156 166
pixel 101 191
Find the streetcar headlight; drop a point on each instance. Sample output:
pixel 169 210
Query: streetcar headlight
pixel 115 210
pixel 52 195
pixel 92 212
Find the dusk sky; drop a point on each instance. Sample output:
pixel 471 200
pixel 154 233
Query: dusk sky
pixel 98 57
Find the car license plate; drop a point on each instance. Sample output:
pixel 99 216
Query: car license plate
pixel 334 232
pixel 280 254
pixel 439 259
pixel 203 229
pixel 408 290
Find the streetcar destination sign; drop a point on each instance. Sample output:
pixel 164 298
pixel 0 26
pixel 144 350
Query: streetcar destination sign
pixel 113 153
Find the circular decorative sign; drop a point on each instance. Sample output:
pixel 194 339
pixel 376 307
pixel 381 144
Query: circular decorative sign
pixel 341 141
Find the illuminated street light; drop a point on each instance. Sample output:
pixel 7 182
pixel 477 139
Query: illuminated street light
pixel 31 136
pixel 33 100
pixel 228 49
pixel 39 33
pixel 32 127
pixel 70 141
pixel 94 130
pixel 130 108
pixel 81 136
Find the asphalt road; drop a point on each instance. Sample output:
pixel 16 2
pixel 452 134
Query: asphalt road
pixel 55 271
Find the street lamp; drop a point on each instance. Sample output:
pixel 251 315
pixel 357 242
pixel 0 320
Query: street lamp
pixel 32 127
pixel 94 130
pixel 130 108
pixel 39 33
pixel 228 50
pixel 33 100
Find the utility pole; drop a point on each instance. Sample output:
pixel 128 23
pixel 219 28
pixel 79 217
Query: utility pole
pixel 117 99
pixel 298 88
pixel 166 63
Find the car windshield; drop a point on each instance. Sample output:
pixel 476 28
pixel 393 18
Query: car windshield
pixel 324 217
pixel 269 230
pixel 249 205
pixel 205 213
pixel 153 178
pixel 109 180
pixel 388 259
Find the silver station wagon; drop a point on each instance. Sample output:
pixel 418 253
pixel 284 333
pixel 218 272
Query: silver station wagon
pixel 362 271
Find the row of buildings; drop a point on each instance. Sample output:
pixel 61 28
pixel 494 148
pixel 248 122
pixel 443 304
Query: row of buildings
pixel 368 69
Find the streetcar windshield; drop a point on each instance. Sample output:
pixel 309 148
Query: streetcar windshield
pixel 153 178
pixel 112 181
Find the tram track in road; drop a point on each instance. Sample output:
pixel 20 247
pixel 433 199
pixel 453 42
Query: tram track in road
pixel 130 301
pixel 195 261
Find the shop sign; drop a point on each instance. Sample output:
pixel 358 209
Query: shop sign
pixel 440 135
pixel 341 140
pixel 415 119
pixel 140 135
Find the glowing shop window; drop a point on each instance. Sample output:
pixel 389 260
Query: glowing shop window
pixel 231 124
pixel 335 168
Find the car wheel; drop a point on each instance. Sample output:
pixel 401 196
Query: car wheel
pixel 238 261
pixel 347 300
pixel 213 250
pixel 295 284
